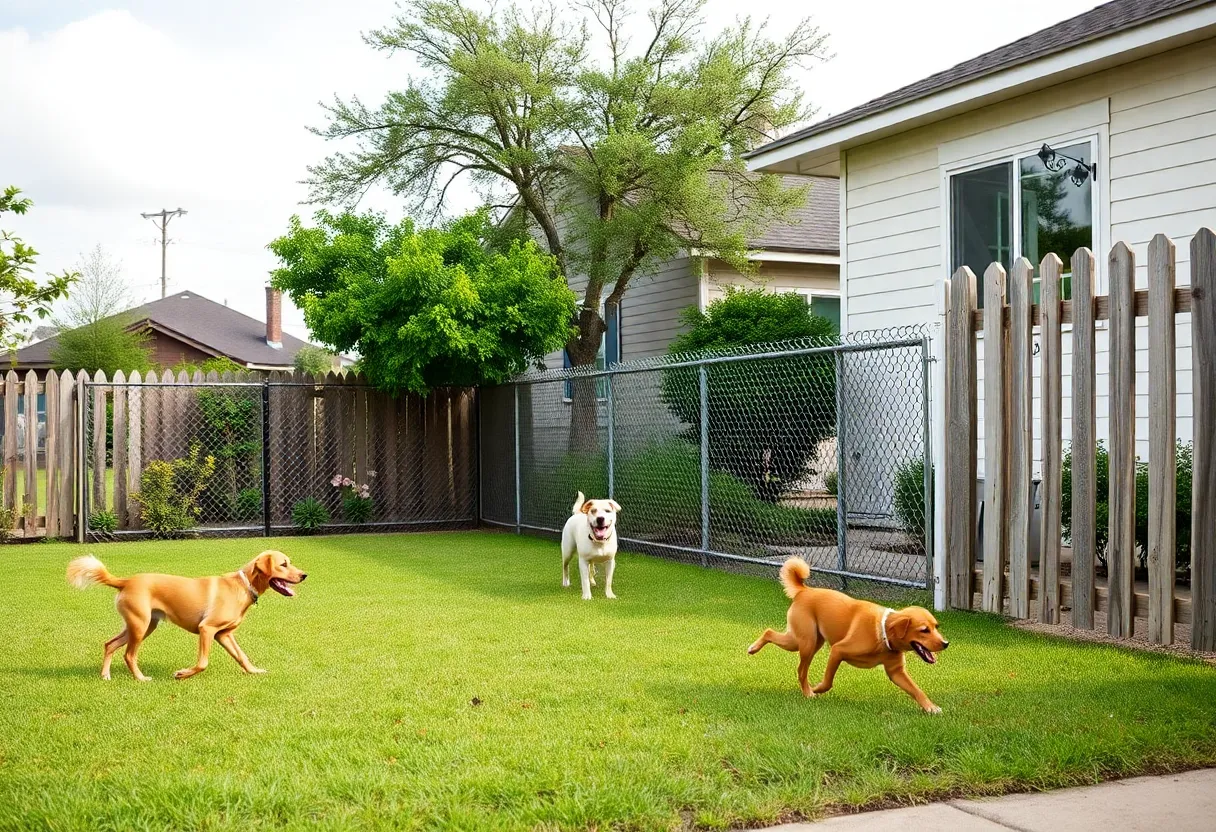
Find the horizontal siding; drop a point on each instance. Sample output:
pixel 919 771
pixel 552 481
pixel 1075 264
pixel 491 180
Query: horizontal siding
pixel 650 312
pixel 774 275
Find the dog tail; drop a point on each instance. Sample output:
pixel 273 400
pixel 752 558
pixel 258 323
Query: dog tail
pixel 85 571
pixel 794 573
pixel 578 503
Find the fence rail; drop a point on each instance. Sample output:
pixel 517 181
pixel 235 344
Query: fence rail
pixel 740 457
pixel 1007 581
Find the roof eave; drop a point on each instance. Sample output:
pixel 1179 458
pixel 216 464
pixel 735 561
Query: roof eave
pixel 813 154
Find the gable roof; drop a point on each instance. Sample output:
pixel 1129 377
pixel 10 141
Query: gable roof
pixel 1099 22
pixel 193 318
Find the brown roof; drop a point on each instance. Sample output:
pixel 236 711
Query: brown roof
pixel 813 226
pixel 1099 22
pixel 194 318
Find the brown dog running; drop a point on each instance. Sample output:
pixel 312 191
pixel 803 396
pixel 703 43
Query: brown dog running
pixel 860 633
pixel 211 607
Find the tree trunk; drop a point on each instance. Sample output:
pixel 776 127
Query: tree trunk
pixel 584 404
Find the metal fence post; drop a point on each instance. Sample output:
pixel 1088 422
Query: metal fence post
pixel 81 489
pixel 704 384
pixel 266 457
pixel 518 504
pixel 611 442
pixel 842 522
pixel 928 517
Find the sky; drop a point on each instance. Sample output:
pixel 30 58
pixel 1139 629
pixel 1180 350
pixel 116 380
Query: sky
pixel 110 108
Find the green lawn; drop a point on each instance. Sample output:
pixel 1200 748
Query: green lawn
pixel 447 681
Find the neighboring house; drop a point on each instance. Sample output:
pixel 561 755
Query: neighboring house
pixel 952 170
pixel 187 327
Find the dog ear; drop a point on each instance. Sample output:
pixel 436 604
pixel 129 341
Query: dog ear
pixel 585 507
pixel 901 626
pixel 615 506
pixel 264 563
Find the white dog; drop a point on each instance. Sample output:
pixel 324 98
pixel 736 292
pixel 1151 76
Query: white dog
pixel 590 531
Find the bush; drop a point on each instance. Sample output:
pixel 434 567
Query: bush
pixel 766 417
pixel 103 522
pixel 309 515
pixel 831 483
pixel 1185 462
pixel 169 492
pixel 357 509
pixel 249 505
pixel 910 507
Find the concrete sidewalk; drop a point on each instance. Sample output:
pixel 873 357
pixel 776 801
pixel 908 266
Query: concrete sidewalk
pixel 1176 802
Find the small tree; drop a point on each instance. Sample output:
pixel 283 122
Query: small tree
pixel 424 309
pixel 20 295
pixel 313 361
pixel 94 332
pixel 766 416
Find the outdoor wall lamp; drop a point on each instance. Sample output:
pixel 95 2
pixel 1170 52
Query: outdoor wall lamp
pixel 1056 162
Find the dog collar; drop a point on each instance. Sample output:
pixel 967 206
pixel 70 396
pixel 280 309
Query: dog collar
pixel 253 593
pixel 882 627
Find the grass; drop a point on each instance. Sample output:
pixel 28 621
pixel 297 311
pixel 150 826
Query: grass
pixel 447 681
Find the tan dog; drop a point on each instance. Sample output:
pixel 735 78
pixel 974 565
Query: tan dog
pixel 860 633
pixel 211 607
pixel 591 533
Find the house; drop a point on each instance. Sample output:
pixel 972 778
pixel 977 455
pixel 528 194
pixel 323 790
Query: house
pixel 1097 129
pixel 799 255
pixel 186 327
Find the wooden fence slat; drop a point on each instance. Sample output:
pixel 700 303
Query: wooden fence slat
pixel 1203 486
pixel 361 430
pixel 996 471
pixel 386 474
pixel 31 452
pixel 99 444
pixel 1083 533
pixel 67 454
pixel 1121 545
pixel 1162 440
pixel 1052 426
pixel 129 512
pixel 10 439
pixel 961 440
pixel 120 447
pixel 1018 411
pixel 51 454
pixel 150 432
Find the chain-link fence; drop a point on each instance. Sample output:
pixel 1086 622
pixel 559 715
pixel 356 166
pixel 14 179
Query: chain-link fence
pixel 810 448
pixel 274 455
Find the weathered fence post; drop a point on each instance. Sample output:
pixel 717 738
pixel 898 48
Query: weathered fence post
pixel 842 503
pixel 1083 533
pixel 1050 530
pixel 927 461
pixel 996 399
pixel 1162 441
pixel 266 457
pixel 31 453
pixel 10 439
pixel 703 378
pixel 81 495
pixel 961 438
pixel 1020 437
pixel 518 503
pixel 1203 488
pixel 1122 499
pixel 120 449
pixel 611 438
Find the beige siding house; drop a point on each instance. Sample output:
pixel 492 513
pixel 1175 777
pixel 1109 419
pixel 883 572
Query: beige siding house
pixel 961 167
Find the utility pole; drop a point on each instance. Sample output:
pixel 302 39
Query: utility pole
pixel 164 216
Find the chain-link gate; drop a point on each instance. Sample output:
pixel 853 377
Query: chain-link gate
pixel 269 456
pixel 811 448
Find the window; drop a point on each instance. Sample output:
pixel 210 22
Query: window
pixel 1021 208
pixel 609 352
pixel 824 303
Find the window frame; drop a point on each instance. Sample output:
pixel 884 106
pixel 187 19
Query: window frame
pixel 1098 140
pixel 811 293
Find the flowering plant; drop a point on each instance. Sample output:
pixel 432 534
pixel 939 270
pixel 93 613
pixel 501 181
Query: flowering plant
pixel 356 499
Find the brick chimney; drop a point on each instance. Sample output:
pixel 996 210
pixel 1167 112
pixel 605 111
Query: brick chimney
pixel 274 318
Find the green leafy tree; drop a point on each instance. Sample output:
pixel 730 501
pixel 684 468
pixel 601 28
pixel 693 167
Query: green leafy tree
pixel 766 416
pixel 21 296
pixel 95 332
pixel 313 361
pixel 424 309
pixel 618 149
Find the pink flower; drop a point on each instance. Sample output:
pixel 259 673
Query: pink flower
pixel 347 482
pixel 371 474
pixel 336 481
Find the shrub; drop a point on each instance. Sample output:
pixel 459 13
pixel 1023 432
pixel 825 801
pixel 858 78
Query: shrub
pixel 169 492
pixel 230 431
pixel 313 361
pixel 910 507
pixel 103 522
pixel 766 417
pixel 309 515
pixel 1185 460
pixel 831 483
pixel 249 505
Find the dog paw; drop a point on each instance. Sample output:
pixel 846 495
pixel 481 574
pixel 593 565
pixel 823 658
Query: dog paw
pixel 754 649
pixel 933 710
pixel 181 674
pixel 255 670
pixel 610 594
pixel 142 678
pixel 105 677
pixel 587 597
pixel 565 582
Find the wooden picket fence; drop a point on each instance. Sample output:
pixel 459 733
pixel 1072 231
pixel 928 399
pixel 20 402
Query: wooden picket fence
pixel 1007 583
pixel 422 450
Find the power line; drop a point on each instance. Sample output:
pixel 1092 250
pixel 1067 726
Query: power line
pixel 164 216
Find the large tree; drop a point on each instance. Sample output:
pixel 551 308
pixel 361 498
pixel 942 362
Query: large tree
pixel 21 296
pixel 424 309
pixel 617 149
